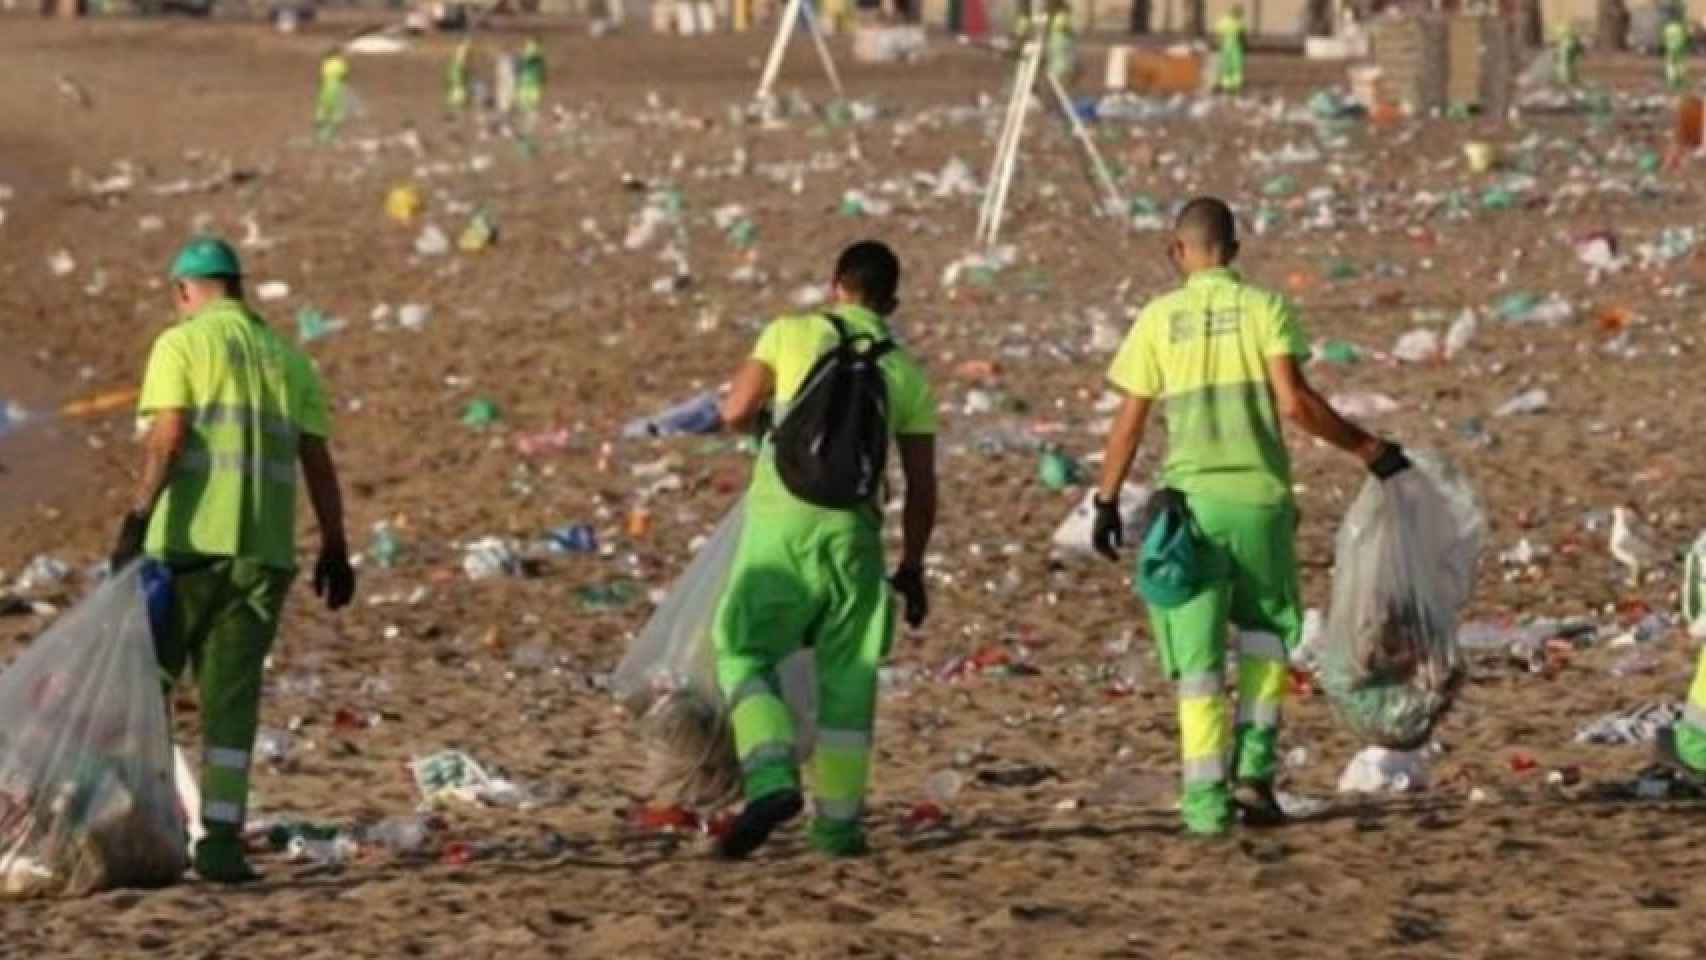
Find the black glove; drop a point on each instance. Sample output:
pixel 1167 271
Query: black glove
pixel 334 579
pixel 909 583
pixel 131 534
pixel 1389 462
pixel 1109 533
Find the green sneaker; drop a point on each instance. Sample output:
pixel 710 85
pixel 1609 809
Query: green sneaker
pixel 221 860
pixel 838 839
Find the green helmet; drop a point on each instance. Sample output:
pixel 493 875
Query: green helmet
pixel 206 256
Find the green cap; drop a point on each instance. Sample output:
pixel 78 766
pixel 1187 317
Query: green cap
pixel 206 256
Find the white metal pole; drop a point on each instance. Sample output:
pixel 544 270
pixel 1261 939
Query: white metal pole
pixel 1022 96
pixel 778 47
pixel 1113 202
pixel 1006 142
pixel 822 49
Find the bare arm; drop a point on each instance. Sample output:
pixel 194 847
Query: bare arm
pixel 1299 403
pixel 323 491
pixel 918 463
pixel 160 450
pixel 1124 439
pixel 753 384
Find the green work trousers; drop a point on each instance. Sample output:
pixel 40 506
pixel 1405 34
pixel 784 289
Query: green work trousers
pixel 224 617
pixel 329 109
pixel 804 577
pixel 1252 588
pixel 1691 732
pixel 1231 79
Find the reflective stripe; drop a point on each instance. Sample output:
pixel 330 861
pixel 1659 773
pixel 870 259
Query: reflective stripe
pixel 1201 684
pixel 1258 713
pixel 203 461
pixel 1695 716
pixel 1260 643
pixel 220 414
pixel 227 757
pixel 843 810
pixel 219 811
pixel 844 739
pixel 753 686
pixel 1201 770
pixel 767 754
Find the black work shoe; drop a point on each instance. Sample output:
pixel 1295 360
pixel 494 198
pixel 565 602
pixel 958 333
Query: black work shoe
pixel 1257 805
pixel 755 823
pixel 221 860
pixel 1665 755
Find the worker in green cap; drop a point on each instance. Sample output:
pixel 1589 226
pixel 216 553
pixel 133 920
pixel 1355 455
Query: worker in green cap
pixel 1231 30
pixel 330 106
pixel 233 409
pixel 1566 54
pixel 456 97
pixel 530 78
pixel 1675 36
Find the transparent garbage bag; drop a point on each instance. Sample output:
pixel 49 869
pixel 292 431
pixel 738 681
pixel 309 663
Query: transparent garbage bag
pixel 87 798
pixel 667 681
pixel 1404 566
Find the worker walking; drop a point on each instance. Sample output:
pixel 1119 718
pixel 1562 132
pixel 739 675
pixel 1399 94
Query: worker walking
pixel 808 571
pixel 331 104
pixel 530 78
pixel 456 94
pixel 1566 54
pixel 1675 38
pixel 1231 30
pixel 1224 360
pixel 234 410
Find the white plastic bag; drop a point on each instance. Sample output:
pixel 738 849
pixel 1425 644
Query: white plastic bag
pixel 87 800
pixel 668 682
pixel 1404 566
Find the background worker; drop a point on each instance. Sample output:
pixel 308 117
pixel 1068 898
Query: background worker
pixel 805 575
pixel 234 410
pixel 456 93
pixel 1675 41
pixel 1566 54
pixel 1223 358
pixel 331 103
pixel 530 78
pixel 1230 27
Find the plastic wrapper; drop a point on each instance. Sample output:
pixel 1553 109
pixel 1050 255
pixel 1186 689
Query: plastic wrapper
pixel 667 681
pixel 87 800
pixel 1404 566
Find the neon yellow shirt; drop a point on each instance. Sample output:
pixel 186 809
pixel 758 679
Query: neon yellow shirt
pixel 1675 38
pixel 1231 30
pixel 1203 351
pixel 790 346
pixel 249 397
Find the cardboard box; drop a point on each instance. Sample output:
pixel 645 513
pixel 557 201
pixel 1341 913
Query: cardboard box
pixel 1148 71
pixel 887 44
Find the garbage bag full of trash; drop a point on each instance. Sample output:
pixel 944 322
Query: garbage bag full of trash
pixel 1404 566
pixel 87 800
pixel 667 681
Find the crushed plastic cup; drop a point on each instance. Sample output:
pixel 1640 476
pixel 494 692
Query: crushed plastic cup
pixel 273 746
pixel 1535 400
pixel 1381 770
pixel 1417 346
pixel 943 786
pixel 432 242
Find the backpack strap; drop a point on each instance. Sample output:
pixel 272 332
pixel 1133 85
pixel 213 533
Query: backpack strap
pixel 878 345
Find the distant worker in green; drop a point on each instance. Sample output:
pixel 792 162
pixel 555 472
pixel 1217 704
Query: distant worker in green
pixel 530 78
pixel 1676 52
pixel 331 106
pixel 1231 30
pixel 234 410
pixel 1567 55
pixel 456 95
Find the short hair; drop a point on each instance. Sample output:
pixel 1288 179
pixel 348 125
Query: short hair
pixel 1209 222
pixel 870 271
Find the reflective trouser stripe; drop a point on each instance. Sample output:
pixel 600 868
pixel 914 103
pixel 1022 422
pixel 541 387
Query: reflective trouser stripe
pixel 1691 732
pixel 1202 684
pixel 1260 643
pixel 843 767
pixel 227 757
pixel 753 686
pixel 1205 733
pixel 1695 711
pixel 222 811
pixel 764 737
pixel 1261 690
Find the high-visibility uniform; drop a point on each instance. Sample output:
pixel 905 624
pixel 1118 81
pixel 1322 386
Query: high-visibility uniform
pixel 1231 30
pixel 808 576
pixel 530 78
pixel 1567 54
pixel 1060 43
pixel 226 523
pixel 330 106
pixel 1202 352
pixel 1676 53
pixel 456 96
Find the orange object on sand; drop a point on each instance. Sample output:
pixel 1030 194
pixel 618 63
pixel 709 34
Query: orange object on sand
pixel 1690 122
pixel 101 403
pixel 1612 319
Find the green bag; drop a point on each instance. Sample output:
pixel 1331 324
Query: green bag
pixel 1173 565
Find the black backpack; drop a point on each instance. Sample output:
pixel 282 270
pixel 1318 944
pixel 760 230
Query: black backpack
pixel 833 442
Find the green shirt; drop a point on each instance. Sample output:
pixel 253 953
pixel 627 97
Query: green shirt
pixel 1203 350
pixel 790 346
pixel 248 397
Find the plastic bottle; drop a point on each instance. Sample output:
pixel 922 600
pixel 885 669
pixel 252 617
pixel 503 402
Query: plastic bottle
pixel 400 835
pixel 1535 400
pixel 386 546
pixel 340 849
